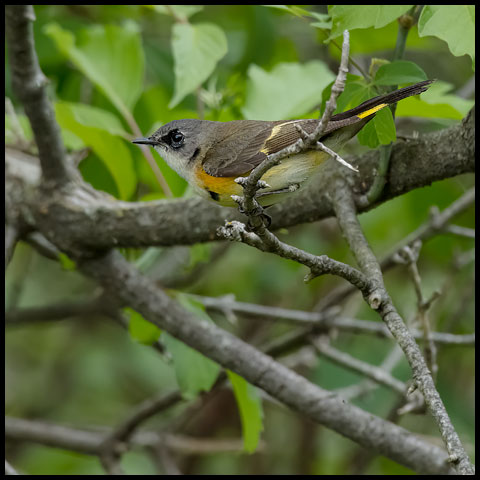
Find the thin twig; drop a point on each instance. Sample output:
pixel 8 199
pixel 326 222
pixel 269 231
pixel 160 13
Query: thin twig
pixel 42 245
pixel 409 255
pixel 347 361
pixel 461 231
pixel 337 88
pixel 115 443
pixel 366 386
pixel 266 241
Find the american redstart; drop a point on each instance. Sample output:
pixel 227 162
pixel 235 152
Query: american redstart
pixel 211 155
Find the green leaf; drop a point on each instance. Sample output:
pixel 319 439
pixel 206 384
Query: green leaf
pixel 110 56
pixel 196 51
pixel 288 91
pixel 251 412
pixel 90 116
pixel 399 72
pixel 194 371
pixel 414 108
pixel 379 131
pixel 324 21
pixel 385 126
pixel 151 109
pixel 350 17
pixel 455 24
pixel 141 330
pixel 110 149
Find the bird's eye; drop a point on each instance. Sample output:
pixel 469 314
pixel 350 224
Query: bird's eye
pixel 176 139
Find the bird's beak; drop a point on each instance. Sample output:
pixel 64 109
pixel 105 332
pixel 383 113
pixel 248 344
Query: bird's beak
pixel 145 141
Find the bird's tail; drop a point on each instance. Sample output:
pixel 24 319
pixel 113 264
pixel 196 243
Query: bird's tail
pixel 377 103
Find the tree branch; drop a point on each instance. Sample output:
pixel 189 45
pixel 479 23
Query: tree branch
pixel 90 441
pixel 29 84
pixel 316 322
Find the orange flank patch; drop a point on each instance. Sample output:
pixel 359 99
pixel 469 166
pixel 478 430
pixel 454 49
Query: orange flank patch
pixel 220 185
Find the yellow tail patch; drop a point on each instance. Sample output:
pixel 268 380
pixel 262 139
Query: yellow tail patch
pixel 366 113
